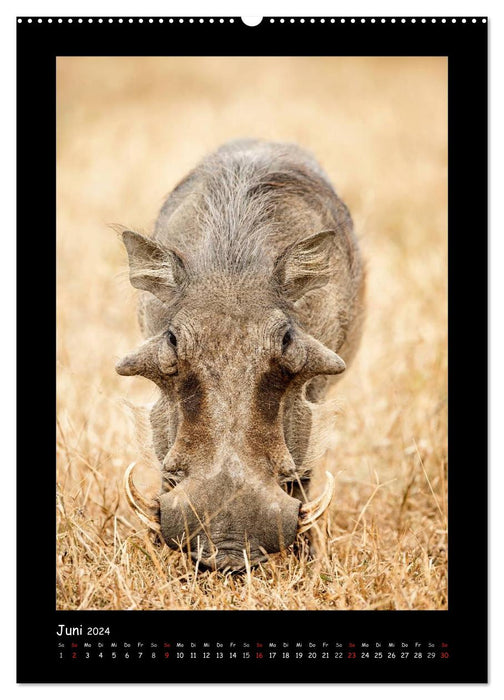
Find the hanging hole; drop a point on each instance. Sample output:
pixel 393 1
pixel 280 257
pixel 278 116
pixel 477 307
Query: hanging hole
pixel 251 21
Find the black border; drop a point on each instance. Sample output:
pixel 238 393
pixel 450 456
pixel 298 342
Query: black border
pixel 464 625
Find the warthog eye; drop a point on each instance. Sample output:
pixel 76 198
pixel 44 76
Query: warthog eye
pixel 286 340
pixel 172 339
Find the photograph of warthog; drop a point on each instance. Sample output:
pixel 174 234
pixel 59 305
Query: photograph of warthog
pixel 280 442
pixel 252 304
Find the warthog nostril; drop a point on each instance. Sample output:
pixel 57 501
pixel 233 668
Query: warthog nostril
pixel 227 561
pixel 206 559
pixel 236 561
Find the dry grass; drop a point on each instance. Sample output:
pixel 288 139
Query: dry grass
pixel 128 129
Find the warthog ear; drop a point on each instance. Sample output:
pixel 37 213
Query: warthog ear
pixel 305 265
pixel 153 268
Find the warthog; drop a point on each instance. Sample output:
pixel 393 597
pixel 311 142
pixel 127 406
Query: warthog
pixel 252 301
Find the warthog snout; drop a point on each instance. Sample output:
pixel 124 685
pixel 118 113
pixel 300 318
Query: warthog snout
pixel 223 523
pixel 229 519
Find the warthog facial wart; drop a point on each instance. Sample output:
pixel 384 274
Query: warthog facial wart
pixel 251 305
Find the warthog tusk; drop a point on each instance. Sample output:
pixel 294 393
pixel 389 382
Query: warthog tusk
pixel 310 512
pixel 138 503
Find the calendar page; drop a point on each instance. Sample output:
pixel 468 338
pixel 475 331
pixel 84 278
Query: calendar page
pixel 258 251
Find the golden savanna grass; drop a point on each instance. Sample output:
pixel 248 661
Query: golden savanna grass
pixel 128 130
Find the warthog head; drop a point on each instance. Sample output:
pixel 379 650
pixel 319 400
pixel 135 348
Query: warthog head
pixel 231 361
